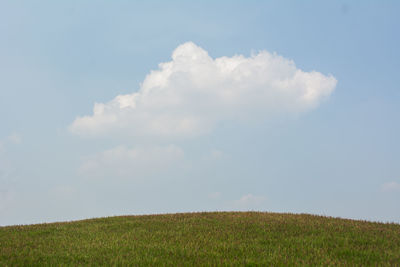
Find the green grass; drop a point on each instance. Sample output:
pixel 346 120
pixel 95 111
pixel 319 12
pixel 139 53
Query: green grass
pixel 216 238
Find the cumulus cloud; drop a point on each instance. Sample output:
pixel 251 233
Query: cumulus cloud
pixel 190 94
pixel 390 187
pixel 136 163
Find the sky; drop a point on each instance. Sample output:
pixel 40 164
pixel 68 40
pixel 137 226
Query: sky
pixel 143 107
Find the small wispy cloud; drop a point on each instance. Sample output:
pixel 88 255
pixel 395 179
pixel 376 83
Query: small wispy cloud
pixel 63 191
pixel 15 138
pixel 6 197
pixel 215 195
pixel 132 163
pixel 5 164
pixel 214 155
pixel 249 202
pixel 390 187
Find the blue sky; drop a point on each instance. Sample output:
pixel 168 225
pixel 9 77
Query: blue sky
pixel 199 135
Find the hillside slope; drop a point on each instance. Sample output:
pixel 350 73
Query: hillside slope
pixel 215 238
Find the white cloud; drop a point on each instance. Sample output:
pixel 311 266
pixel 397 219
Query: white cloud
pixel 390 187
pixel 136 163
pixel 215 195
pixel 6 198
pixel 63 191
pixel 188 95
pixel 5 164
pixel 214 155
pixel 249 202
pixel 15 139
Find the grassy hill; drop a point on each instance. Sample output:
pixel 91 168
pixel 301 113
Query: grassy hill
pixel 216 238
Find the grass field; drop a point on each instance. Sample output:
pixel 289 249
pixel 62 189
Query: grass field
pixel 216 238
